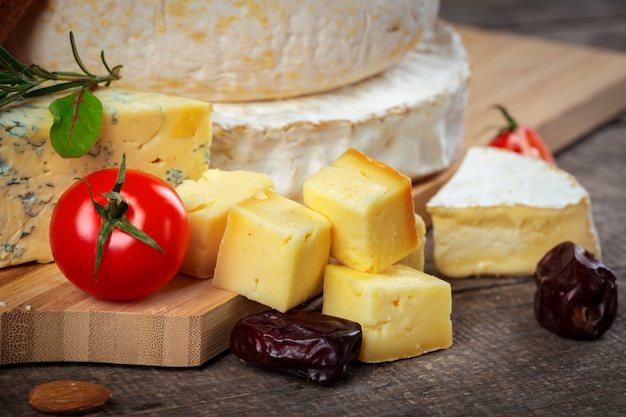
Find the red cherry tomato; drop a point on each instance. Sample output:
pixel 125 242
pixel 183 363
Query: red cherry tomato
pixel 521 139
pixel 129 268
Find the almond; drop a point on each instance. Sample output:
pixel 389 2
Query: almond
pixel 68 397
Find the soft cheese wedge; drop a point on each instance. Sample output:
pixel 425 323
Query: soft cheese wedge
pixel 411 117
pixel 274 251
pixel 370 207
pixel 501 212
pixel 207 201
pixel 163 135
pixel 403 312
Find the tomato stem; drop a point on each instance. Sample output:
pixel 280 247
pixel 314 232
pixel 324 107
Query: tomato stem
pixel 116 204
pixel 114 216
pixel 512 123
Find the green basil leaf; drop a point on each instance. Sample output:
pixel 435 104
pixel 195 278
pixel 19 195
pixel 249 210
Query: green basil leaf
pixel 77 123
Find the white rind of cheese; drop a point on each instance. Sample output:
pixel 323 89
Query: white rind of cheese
pixel 501 212
pixel 411 117
pixel 169 137
pixel 227 50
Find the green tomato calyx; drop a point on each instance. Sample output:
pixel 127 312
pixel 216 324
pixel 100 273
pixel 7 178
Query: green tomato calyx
pixel 113 216
pixel 511 125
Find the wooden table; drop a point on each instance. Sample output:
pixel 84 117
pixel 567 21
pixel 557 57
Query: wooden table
pixel 502 362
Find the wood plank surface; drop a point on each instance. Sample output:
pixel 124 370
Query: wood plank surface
pixel 564 91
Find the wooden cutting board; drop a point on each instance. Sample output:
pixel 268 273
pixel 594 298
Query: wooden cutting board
pixel 564 91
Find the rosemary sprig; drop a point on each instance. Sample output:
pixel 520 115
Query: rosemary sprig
pixel 20 80
pixel 78 116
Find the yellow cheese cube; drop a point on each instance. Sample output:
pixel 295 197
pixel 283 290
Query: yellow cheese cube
pixel 207 201
pixel 370 207
pixel 416 258
pixel 274 251
pixel 403 312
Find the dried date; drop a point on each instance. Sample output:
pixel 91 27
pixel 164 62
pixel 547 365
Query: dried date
pixel 576 294
pixel 309 344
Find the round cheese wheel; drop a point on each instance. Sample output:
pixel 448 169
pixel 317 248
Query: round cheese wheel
pixel 411 117
pixel 230 50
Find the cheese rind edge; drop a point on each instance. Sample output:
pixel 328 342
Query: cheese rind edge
pixel 501 212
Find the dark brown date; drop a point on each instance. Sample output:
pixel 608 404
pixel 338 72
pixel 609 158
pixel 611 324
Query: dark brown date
pixel 309 344
pixel 576 295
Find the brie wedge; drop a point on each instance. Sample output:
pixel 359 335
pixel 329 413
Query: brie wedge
pixel 501 212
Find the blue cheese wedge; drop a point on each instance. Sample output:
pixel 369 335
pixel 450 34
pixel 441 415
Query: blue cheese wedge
pixel 167 136
pixel 501 212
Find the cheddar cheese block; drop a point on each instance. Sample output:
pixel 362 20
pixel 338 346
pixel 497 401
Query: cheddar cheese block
pixel 167 136
pixel 370 207
pixel 411 117
pixel 403 312
pixel 273 251
pixel 207 201
pixel 227 50
pixel 501 212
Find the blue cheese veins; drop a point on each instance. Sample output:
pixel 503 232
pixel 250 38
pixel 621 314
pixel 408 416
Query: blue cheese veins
pixel 167 136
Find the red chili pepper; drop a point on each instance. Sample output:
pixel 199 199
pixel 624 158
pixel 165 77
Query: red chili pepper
pixel 521 139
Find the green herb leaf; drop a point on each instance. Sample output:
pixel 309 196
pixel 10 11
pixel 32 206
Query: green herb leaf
pixel 71 138
pixel 77 123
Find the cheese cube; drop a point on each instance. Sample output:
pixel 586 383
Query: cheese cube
pixel 403 312
pixel 167 136
pixel 207 201
pixel 370 207
pixel 416 258
pixel 273 251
